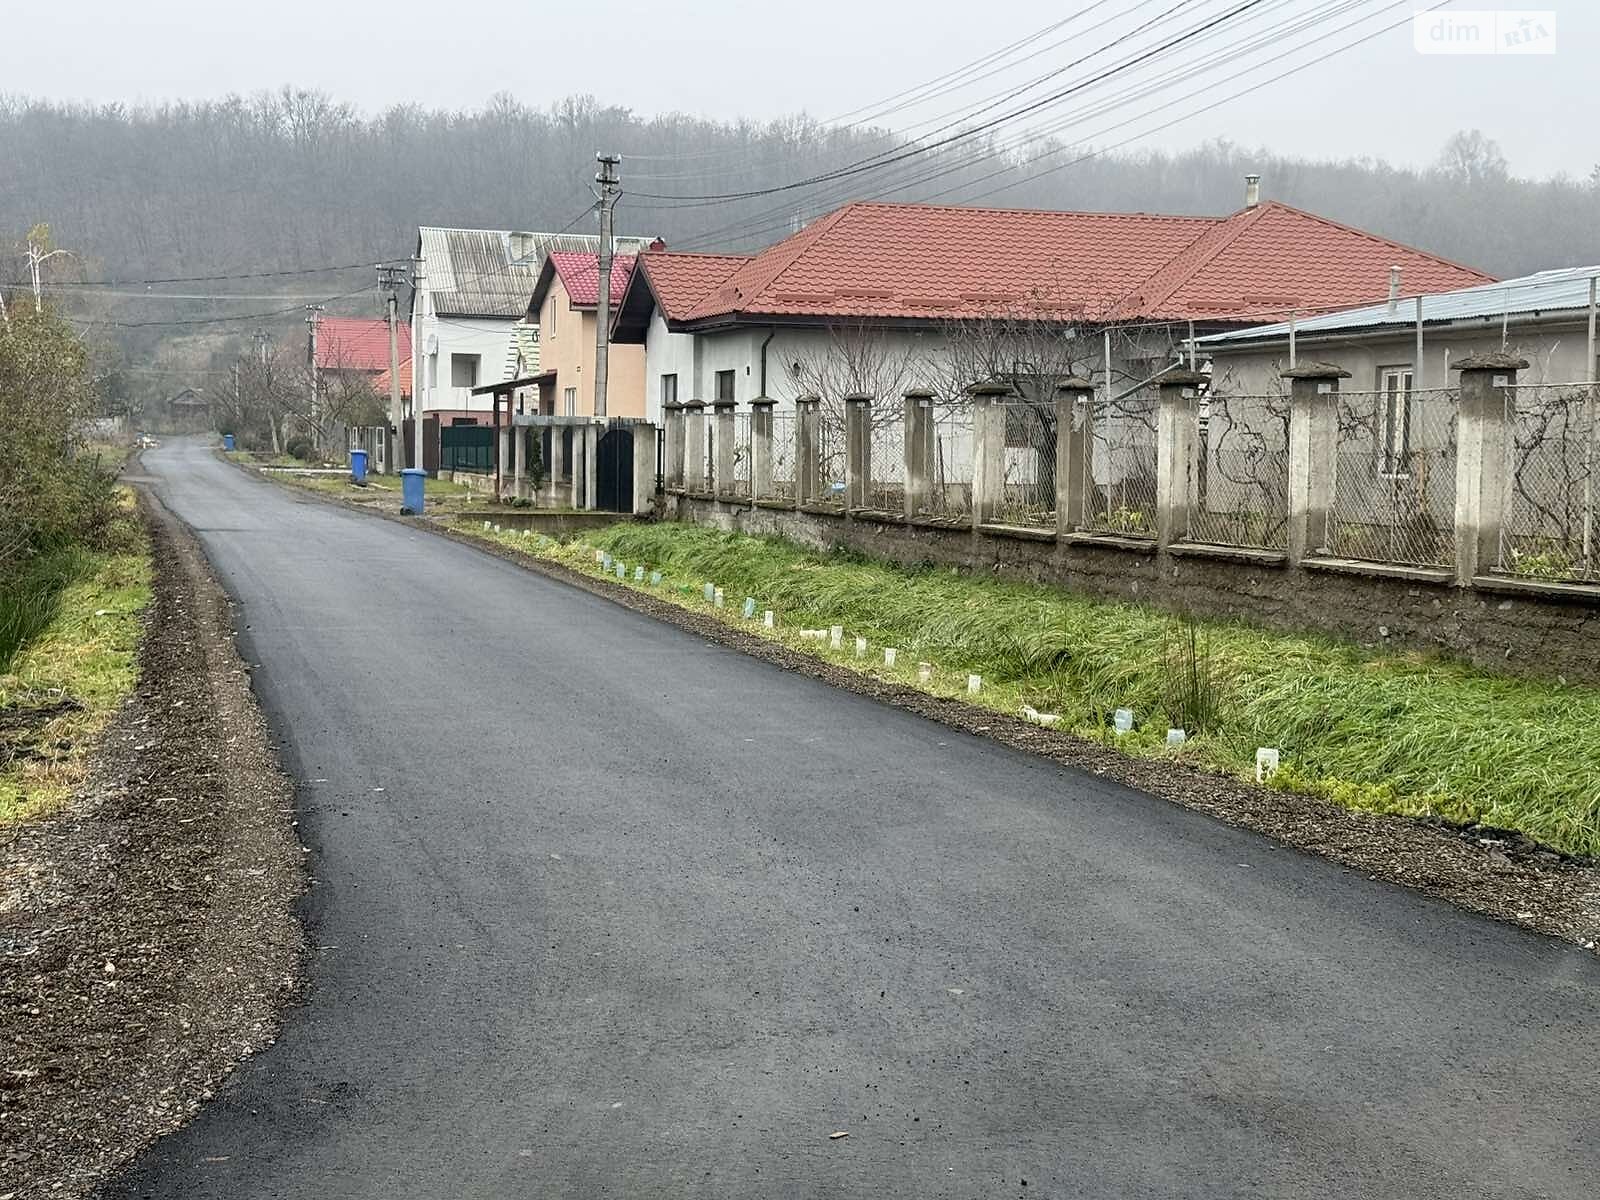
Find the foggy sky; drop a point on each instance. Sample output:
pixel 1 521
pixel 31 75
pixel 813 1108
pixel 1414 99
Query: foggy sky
pixel 739 58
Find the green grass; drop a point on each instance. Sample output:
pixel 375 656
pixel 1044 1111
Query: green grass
pixel 1395 733
pixel 72 635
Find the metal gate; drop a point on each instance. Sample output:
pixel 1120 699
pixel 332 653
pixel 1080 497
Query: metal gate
pixel 614 471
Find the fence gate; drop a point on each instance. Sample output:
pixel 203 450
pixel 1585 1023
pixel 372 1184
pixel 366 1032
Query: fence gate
pixel 614 471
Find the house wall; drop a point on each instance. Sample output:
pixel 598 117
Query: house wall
pixel 437 338
pixel 567 347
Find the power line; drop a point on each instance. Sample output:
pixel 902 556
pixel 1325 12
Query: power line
pixel 363 266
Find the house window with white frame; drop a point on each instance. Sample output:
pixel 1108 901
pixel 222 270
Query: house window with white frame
pixel 1394 421
pixel 569 402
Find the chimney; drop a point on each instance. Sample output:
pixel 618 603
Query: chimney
pixel 1394 290
pixel 1252 190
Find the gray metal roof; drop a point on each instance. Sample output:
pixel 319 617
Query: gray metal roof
pixel 491 272
pixel 1565 290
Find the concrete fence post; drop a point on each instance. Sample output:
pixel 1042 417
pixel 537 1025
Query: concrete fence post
pixel 591 464
pixel 694 446
pixel 988 449
pixel 519 458
pixel 761 448
pixel 1177 422
pixel 1074 446
pixel 1483 479
pixel 807 449
pixel 726 446
pixel 1313 447
pixel 857 450
pixel 918 450
pixel 644 467
pixel 672 418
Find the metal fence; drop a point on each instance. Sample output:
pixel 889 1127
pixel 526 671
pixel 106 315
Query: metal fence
pixel 1028 468
pixel 1119 491
pixel 1239 478
pixel 739 485
pixel 830 455
pixel 1548 530
pixel 1394 485
pixel 467 448
pixel 886 475
pixel 950 472
pixel 783 460
pixel 708 448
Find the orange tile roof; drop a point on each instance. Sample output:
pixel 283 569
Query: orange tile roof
pixel 680 280
pixel 580 275
pixel 356 343
pixel 380 382
pixel 919 261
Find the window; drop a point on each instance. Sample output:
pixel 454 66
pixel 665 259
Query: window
pixel 569 402
pixel 1394 420
pixel 433 371
pixel 669 390
pixel 724 386
pixel 464 370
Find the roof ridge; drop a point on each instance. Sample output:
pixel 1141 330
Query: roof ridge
pixel 1374 237
pixel 1120 214
pixel 1209 256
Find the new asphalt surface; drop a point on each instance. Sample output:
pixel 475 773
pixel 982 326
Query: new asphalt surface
pixel 603 910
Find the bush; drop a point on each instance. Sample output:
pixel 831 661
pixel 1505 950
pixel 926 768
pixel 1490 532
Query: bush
pixel 300 447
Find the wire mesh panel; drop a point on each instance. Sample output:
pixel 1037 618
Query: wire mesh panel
pixel 739 485
pixel 1394 487
pixel 886 482
pixel 783 472
pixel 709 449
pixel 950 469
pixel 830 456
pixel 1119 493
pixel 1548 530
pixel 1028 469
pixel 1239 480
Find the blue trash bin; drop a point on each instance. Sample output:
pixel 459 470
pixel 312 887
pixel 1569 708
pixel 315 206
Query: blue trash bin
pixel 358 465
pixel 411 483
pixel 227 441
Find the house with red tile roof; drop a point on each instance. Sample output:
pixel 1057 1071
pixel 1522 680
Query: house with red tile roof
pixel 358 344
pixel 565 307
pixel 742 326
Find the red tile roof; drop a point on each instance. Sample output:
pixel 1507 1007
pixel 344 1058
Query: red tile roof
pixel 356 343
pixel 380 384
pixel 911 261
pixel 680 281
pixel 580 275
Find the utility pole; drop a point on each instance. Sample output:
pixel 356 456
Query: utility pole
pixel 609 191
pixel 262 337
pixel 389 279
pixel 418 366
pixel 313 318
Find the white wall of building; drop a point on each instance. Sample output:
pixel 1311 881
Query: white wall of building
pixel 437 338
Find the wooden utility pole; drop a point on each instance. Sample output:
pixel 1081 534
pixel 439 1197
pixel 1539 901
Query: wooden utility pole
pixel 313 319
pixel 389 278
pixel 610 189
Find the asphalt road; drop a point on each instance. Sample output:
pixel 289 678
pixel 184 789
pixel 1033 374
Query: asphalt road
pixel 603 910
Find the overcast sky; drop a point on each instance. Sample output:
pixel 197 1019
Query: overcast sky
pixel 733 58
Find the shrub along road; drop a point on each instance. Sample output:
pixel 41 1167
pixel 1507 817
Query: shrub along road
pixel 600 908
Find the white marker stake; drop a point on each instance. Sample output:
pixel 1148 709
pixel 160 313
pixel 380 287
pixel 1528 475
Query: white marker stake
pixel 924 673
pixel 486 524
pixel 974 684
pixel 889 653
pixel 769 620
pixel 1266 763
pixel 749 608
pixel 655 578
pixel 638 574
pixel 622 571
pixel 717 598
pixel 1177 737
pixel 599 555
pixel 836 637
pixel 861 647
pixel 711 592
pixel 1122 721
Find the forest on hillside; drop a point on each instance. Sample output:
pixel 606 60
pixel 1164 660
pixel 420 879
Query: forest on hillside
pixel 297 179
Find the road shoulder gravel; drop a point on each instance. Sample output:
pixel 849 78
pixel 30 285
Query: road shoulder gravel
pixel 148 938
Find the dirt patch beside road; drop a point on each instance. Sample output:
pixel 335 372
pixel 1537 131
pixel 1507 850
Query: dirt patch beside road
pixel 147 934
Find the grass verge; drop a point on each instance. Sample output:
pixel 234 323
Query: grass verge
pixel 69 639
pixel 1399 733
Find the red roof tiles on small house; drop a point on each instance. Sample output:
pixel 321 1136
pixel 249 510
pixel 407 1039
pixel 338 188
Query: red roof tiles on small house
pixel 919 261
pixel 380 383
pixel 580 275
pixel 680 281
pixel 357 343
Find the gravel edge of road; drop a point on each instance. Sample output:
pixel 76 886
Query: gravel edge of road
pixel 150 937
pixel 1510 880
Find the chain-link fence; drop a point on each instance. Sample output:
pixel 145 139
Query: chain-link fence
pixel 1028 466
pixel 886 477
pixel 739 485
pixel 950 470
pixel 708 451
pixel 1394 487
pixel 1239 479
pixel 783 472
pixel 1119 490
pixel 1548 529
pixel 830 455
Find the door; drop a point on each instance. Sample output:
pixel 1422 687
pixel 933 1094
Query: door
pixel 614 471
